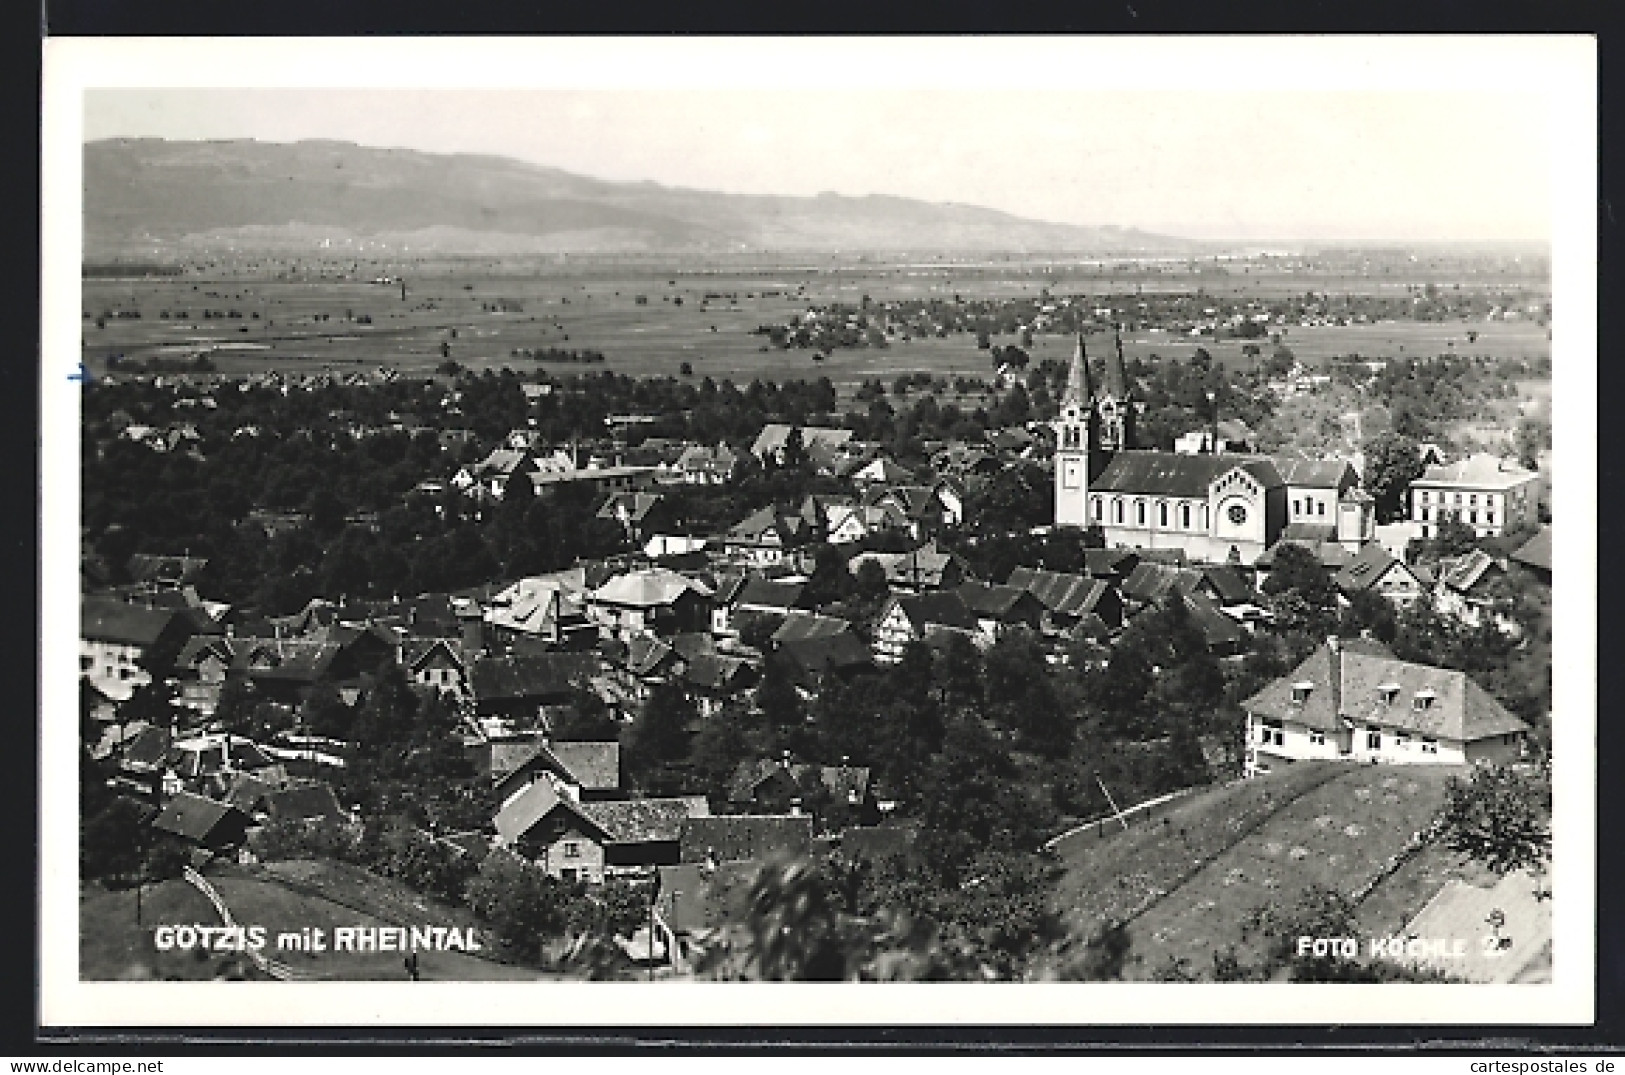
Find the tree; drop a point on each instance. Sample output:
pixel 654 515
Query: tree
pixel 523 906
pixel 658 747
pixel 112 843
pixel 776 695
pixel 1392 463
pixel 1500 817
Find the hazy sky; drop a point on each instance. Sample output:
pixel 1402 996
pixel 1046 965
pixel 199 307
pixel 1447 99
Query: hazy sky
pixel 1320 165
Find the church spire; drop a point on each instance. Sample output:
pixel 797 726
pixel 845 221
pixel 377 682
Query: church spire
pixel 1117 382
pixel 1078 389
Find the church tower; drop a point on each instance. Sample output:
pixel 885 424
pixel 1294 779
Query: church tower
pixel 1076 442
pixel 1116 407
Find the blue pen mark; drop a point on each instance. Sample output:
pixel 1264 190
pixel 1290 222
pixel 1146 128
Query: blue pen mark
pixel 83 376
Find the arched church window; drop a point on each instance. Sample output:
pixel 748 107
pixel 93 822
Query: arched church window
pixel 1139 513
pixel 1117 510
pixel 1185 516
pixel 1162 514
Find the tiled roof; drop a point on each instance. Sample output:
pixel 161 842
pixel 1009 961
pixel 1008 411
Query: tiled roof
pixel 946 609
pixel 106 620
pixel 715 671
pixel 1367 569
pixel 521 813
pixel 1460 710
pixel 1463 572
pixel 636 821
pixel 1174 474
pixel 773 595
pixel 986 599
pixel 1309 532
pixel 1229 584
pixel 496 678
pixel 741 837
pixel 1153 582
pixel 799 626
pixel 1060 592
pixel 694 897
pixel 195 817
pixel 595 766
pixel 834 653
pixel 1314 473
pixel 1218 630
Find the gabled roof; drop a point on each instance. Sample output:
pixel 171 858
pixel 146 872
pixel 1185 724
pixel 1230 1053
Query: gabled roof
pixel 813 657
pixel 103 619
pixel 943 609
pixel 635 506
pixel 1153 582
pixel 521 813
pixel 769 594
pixel 646 654
pixel 926 566
pixel 1102 563
pixel 198 819
pixel 1060 592
pixel 595 766
pixel 1229 584
pixel 743 837
pixel 883 471
pixel 1150 473
pixel 715 671
pixel 986 599
pixel 637 821
pixel 769 522
pixel 1462 573
pixel 536 676
pixel 847 783
pixel 1367 569
pixel 501 461
pixel 1537 551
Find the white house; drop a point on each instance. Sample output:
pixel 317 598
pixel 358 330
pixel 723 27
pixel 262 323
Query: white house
pixel 1489 494
pixel 1356 701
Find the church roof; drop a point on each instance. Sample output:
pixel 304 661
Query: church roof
pixel 1174 474
pixel 1118 386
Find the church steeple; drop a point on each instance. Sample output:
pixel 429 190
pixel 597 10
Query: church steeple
pixel 1117 408
pixel 1078 388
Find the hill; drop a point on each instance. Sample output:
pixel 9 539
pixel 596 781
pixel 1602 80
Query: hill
pixel 156 198
pixel 1186 882
pixel 113 946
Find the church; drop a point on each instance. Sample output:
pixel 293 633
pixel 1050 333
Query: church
pixel 1216 507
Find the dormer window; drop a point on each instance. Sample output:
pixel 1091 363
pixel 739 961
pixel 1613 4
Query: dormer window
pixel 1301 690
pixel 1388 692
pixel 1423 700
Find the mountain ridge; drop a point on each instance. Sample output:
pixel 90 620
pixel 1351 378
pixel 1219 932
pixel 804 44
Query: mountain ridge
pixel 149 196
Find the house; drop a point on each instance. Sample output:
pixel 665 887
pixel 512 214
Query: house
pixel 1233 435
pixel 907 618
pixel 437 663
pixel 715 678
pixel 926 508
pixel 744 837
pixel 1001 608
pixel 846 523
pixel 820 444
pixel 304 802
pixel 699 465
pixel 589 841
pixel 1355 700
pixel 1536 554
pixel 1489 494
pixel 528 690
pixel 1070 601
pixel 1314 487
pixel 1374 571
pixel 117 640
pixel 809 659
pixel 1223 636
pixel 550 609
pixel 768 536
pixel 601 480
pixel 637 513
pixel 656 600
pixel 883 472
pixel 765 595
pixel 491 475
pixel 694 896
pixel 1152 582
pixel 780 786
pixel 800 626
pixel 215 826
pixel 1464 590
pixel 168 572
pixel 587 770
pixel 726 588
pixel 1113 565
pixel 925 568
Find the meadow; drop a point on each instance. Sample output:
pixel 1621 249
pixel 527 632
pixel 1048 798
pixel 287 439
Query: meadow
pixel 648 320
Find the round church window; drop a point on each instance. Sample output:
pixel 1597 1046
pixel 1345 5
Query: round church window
pixel 1237 513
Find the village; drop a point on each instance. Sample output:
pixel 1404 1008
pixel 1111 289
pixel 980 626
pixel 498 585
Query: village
pixel 912 652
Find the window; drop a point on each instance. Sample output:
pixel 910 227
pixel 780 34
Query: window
pixel 1320 508
pixel 1317 737
pixel 1118 506
pixel 1430 746
pixel 1403 739
pixel 123 673
pixel 1472 499
pixel 1373 739
pixel 1489 518
pixel 1139 513
pixel 1423 700
pixel 1162 514
pixel 1296 506
pixel 1458 499
pixel 1185 516
pixel 1424 514
pixel 1271 732
pixel 84 662
pixel 1095 506
pixel 1237 514
pixel 1300 691
pixel 1424 496
pixel 572 850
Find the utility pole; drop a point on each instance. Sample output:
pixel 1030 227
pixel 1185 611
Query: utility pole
pixel 1115 810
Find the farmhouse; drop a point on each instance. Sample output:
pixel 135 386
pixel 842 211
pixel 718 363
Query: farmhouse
pixel 587 841
pixel 1355 700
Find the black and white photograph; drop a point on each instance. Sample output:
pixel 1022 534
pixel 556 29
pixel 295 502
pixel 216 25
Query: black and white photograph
pixel 573 523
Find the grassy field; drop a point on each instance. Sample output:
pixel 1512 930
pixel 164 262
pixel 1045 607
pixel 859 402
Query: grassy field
pixel 493 311
pixel 289 896
pixel 1187 884
pixel 114 947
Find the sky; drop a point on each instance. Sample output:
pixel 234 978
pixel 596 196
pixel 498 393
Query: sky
pixel 1258 165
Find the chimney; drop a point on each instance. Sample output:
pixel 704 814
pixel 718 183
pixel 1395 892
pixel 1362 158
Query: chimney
pixel 795 807
pixel 784 760
pixel 1332 643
